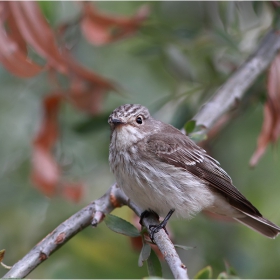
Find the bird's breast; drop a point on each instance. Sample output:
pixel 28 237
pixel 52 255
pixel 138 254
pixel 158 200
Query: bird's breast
pixel 155 185
pixel 123 150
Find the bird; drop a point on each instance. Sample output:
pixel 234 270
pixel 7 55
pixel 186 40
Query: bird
pixel 162 170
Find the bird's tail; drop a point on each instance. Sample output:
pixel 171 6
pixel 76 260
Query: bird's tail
pixel 259 224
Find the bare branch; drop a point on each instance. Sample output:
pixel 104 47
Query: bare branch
pixel 165 245
pixel 235 87
pixel 93 214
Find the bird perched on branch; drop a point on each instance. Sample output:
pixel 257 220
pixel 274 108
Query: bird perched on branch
pixel 162 170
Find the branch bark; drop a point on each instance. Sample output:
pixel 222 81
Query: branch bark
pixel 94 214
pixel 232 91
pixel 164 244
pixel 224 99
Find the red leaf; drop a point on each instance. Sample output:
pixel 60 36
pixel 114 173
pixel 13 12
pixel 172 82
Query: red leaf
pixel 99 28
pixel 14 58
pixel 36 31
pixel 73 192
pixel 76 69
pixel 25 24
pixel 28 24
pixel 45 171
pixel 14 32
pixel 95 33
pixel 88 101
pixel 48 132
pixel 86 97
pixel 271 125
pixel 87 88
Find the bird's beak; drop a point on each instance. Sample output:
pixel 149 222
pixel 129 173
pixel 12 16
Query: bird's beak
pixel 117 121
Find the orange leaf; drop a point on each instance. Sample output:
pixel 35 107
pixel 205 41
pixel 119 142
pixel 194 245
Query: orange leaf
pixel 45 171
pixel 99 28
pixel 94 32
pixel 36 31
pixel 89 100
pixel 14 58
pixel 14 32
pixel 271 125
pixel 48 131
pixel 264 137
pixel 87 88
pixel 73 192
pixel 86 97
pixel 77 70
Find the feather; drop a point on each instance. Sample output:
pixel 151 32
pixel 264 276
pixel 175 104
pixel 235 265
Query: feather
pixel 160 168
pixel 173 147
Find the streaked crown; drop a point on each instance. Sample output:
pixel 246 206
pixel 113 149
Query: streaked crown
pixel 127 111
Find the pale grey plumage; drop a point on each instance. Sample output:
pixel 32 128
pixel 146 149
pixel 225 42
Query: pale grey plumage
pixel 160 168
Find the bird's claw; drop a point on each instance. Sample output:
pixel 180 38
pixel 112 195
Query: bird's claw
pixel 156 228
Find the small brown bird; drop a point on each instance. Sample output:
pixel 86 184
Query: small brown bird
pixel 161 170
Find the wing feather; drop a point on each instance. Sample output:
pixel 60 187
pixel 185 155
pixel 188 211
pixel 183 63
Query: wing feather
pixel 177 149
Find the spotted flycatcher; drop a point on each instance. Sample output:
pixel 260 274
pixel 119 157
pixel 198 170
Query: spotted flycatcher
pixel 161 169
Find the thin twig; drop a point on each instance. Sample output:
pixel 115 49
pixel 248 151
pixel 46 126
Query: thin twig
pixel 164 244
pixel 93 214
pixel 60 236
pixel 5 266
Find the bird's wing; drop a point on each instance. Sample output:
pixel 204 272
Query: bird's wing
pixel 177 149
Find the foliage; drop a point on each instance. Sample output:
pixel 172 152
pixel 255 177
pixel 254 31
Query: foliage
pixel 207 273
pixel 62 75
pixel 121 226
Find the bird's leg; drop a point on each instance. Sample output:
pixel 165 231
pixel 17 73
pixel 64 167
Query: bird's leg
pixel 155 228
pixel 145 214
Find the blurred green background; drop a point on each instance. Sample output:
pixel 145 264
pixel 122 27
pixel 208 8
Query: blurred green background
pixel 180 56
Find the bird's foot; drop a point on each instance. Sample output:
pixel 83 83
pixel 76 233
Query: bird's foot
pixel 156 228
pixel 146 214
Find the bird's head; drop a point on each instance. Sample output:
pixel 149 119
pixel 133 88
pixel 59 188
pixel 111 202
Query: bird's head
pixel 131 121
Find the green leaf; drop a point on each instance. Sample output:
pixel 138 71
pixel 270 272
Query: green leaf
pixel 223 275
pixel 230 272
pixel 205 273
pixel 190 126
pixel 226 38
pixel 258 7
pixel 198 136
pixel 144 254
pixel 154 265
pixel 121 226
pixel 229 269
pixel 183 247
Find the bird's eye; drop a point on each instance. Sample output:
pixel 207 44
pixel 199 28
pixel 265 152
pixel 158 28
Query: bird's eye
pixel 139 120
